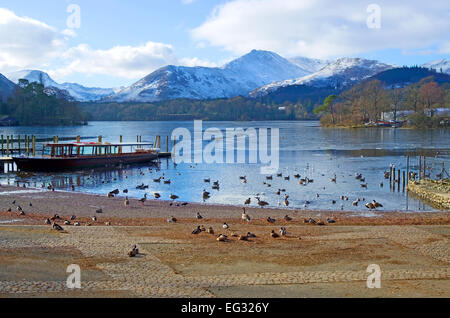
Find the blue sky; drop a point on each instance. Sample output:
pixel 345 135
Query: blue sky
pixel 120 41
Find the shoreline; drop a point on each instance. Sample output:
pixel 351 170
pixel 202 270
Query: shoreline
pixel 46 204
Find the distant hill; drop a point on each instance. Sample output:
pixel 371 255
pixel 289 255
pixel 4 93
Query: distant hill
pixel 402 76
pixel 6 87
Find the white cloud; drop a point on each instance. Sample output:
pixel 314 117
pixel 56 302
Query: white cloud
pixel 26 42
pixel 187 1
pixel 196 62
pixel 122 61
pixel 324 28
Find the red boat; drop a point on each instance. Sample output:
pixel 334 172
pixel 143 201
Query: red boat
pixel 57 156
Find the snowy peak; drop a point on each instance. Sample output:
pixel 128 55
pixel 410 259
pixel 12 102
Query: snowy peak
pixel 76 91
pixel 309 65
pixel 268 66
pixel 442 65
pixel 32 76
pixel 239 77
pixel 339 74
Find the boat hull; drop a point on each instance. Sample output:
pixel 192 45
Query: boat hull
pixel 73 163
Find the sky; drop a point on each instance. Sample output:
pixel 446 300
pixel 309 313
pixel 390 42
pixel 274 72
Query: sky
pixel 111 43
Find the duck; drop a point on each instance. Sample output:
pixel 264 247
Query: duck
pixel 273 234
pixel 283 231
pixel 286 202
pixel 329 220
pixel 312 221
pixel 197 230
pixel 269 178
pixel 57 227
pixel 157 195
pixel 48 222
pixel 55 217
pixel 210 230
pixel 355 203
pixel 243 238
pixel 77 224
pixel 99 211
pixel 215 187
pixel 126 203
pixel 364 185
pixel 143 199
pixel 174 197
pixel 66 222
pixel 221 238
pixel 245 216
pixel 172 219
pixel 270 220
pixel 225 226
pixel 206 194
pixel 377 204
pixel 248 201
pixel 94 218
pixel 261 203
pixel 287 218
pixel 199 217
pixel 370 206
pixel 249 234
pixel 321 223
pixel 207 180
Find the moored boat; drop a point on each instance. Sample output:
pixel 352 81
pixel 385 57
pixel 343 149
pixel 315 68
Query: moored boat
pixel 69 156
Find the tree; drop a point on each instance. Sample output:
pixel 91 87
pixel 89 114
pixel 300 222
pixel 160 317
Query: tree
pixel 431 94
pixel 328 107
pixel 373 99
pixel 396 99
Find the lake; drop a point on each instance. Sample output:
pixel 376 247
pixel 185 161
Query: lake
pixel 305 148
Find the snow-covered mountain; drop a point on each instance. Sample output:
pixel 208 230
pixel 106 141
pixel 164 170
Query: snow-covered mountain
pixel 341 73
pixel 438 65
pixel 239 77
pixel 309 65
pixel 78 92
pixel 6 87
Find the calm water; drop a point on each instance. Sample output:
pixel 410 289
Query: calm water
pixel 305 148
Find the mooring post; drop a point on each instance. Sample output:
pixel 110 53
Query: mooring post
pixel 167 144
pixel 390 173
pixel 3 151
pixel 18 143
pixel 7 146
pixel 404 180
pixel 407 166
pixel 78 139
pixel 27 143
pixel 420 168
pixel 33 142
pixel 424 167
pixel 121 140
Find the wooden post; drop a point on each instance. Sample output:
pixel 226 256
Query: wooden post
pixel 3 151
pixel 424 167
pixel 167 143
pixel 420 168
pixel 121 140
pixel 33 141
pixel 27 144
pixel 78 139
pixel 100 142
pixel 390 173
pixel 407 166
pixel 7 146
pixel 18 143
pixel 57 139
pixel 398 179
pixel 404 180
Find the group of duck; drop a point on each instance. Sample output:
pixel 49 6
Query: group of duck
pixel 246 218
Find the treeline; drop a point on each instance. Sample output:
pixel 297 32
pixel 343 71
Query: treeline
pixel 237 108
pixel 365 102
pixel 32 104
